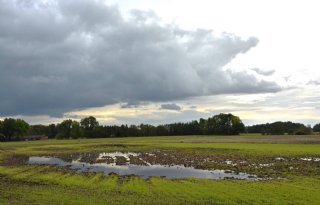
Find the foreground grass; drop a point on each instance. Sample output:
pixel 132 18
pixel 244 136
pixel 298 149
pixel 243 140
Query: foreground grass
pixel 26 184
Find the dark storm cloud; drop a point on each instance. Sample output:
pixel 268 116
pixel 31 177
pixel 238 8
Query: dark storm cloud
pixel 171 106
pixel 63 55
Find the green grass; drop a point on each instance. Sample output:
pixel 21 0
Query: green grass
pixel 30 184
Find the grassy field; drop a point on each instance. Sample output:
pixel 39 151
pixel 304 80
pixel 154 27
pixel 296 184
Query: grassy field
pixel 289 165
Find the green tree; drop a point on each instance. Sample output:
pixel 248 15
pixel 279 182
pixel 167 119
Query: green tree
pixel 76 131
pixel 2 137
pixel 225 124
pixel 22 127
pixel 203 126
pixel 14 127
pixel 237 125
pixel 303 130
pixel 8 128
pixel 52 130
pixel 38 130
pixel 316 128
pixel 89 126
pixel 64 129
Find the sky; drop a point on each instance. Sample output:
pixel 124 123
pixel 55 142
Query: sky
pixel 143 61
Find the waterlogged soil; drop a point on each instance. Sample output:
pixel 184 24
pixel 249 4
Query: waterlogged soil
pixel 125 164
pixel 203 159
pixel 178 164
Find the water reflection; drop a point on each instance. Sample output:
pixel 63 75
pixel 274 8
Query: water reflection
pixel 144 171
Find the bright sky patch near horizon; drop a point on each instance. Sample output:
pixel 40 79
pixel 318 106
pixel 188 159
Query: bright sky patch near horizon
pixel 155 62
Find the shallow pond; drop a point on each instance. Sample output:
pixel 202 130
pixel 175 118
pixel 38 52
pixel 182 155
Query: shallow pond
pixel 144 170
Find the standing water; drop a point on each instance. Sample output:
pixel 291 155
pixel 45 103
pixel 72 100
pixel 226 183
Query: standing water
pixel 145 171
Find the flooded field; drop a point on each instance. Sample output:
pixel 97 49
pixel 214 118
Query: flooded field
pixel 177 164
pixel 162 170
pixel 132 163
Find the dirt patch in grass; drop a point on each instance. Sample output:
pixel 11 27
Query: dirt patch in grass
pixel 5 149
pixel 137 160
pixel 14 160
pixel 121 160
pixel 106 159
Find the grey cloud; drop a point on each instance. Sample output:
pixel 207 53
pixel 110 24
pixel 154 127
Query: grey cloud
pixel 58 56
pixel 314 82
pixel 133 104
pixel 127 105
pixel 263 72
pixel 171 106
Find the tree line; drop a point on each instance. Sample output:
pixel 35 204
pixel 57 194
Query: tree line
pixel 221 124
pixel 89 127
pixel 280 128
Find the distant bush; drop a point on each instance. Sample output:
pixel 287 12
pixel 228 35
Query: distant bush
pixel 60 136
pixel 280 128
pixel 316 128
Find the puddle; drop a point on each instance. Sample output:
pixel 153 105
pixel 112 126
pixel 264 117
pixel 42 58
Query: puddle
pixel 309 159
pixel 280 159
pixel 108 163
pixel 266 165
